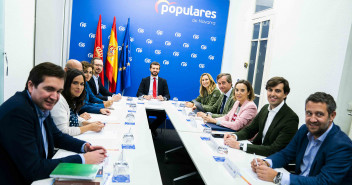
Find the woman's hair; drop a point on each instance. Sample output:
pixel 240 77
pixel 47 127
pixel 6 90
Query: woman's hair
pixel 251 95
pixel 75 103
pixel 204 91
pixel 86 65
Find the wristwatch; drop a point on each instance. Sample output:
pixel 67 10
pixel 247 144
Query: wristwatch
pixel 241 146
pixel 277 178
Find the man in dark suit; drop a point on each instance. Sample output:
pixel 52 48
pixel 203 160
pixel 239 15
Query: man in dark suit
pixel 29 135
pixel 225 102
pixel 321 151
pixel 154 87
pixel 273 127
pixel 95 82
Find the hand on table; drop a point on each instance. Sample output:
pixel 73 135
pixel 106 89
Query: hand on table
pixel 189 104
pixel 105 111
pixel 265 173
pixel 231 142
pixel 85 116
pixel 108 103
pixel 95 156
pixel 96 126
pixel 201 114
pixel 160 98
pixel 147 97
pixel 116 97
pixel 209 119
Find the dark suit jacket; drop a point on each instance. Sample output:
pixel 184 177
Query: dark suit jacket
pixel 282 129
pixel 215 109
pixel 331 165
pixel 163 89
pixel 103 92
pixel 22 151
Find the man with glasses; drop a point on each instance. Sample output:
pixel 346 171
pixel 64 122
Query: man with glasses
pixel 96 85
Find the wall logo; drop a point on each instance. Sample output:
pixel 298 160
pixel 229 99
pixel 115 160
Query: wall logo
pixel 90 55
pixel 211 57
pixel 159 32
pixel 140 30
pixel 139 50
pixel 130 59
pixel 82 44
pixel 157 52
pixel 83 24
pixel 167 43
pixel 166 62
pixel 147 60
pixel 184 64
pixel 176 53
pixel 92 35
pixel 193 55
pixel 213 39
pixel 121 28
pixel 203 47
pixel 201 66
pixel 195 36
pixel 185 45
pixel 177 34
pixel 109 37
pixel 103 26
pixel 149 41
pixel 171 8
pixel 131 39
pixel 120 48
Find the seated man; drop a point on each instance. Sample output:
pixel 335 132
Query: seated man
pixel 96 85
pixel 29 135
pixel 154 87
pixel 225 102
pixel 321 151
pixel 274 126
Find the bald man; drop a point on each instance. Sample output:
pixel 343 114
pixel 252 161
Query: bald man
pixel 73 64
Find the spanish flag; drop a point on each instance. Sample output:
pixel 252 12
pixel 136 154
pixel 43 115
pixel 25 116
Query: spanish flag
pixel 98 48
pixel 112 60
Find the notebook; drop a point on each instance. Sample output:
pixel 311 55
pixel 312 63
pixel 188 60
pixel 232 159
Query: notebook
pixel 75 171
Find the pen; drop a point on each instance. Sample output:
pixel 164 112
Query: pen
pixel 244 179
pixel 255 158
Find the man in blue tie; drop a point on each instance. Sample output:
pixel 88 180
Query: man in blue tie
pixel 321 151
pixel 225 101
pixel 29 135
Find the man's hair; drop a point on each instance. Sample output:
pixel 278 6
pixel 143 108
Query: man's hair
pixel 93 59
pixel 251 95
pixel 75 103
pixel 274 81
pixel 228 77
pixel 322 97
pixel 154 63
pixel 86 65
pixel 40 71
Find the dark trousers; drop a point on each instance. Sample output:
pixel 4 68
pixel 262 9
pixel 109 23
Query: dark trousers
pixel 160 118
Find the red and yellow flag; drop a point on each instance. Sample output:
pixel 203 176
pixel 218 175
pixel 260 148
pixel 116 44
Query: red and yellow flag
pixel 112 59
pixel 98 48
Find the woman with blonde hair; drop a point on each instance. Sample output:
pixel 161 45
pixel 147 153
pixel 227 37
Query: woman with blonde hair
pixel 208 92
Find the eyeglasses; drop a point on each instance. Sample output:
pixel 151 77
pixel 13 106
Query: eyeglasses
pixel 98 65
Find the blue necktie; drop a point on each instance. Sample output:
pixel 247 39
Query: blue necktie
pixel 223 104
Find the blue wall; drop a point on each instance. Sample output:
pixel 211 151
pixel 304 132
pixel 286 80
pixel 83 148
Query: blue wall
pixel 185 37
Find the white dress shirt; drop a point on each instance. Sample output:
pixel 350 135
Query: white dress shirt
pixel 96 78
pixel 150 92
pixel 61 117
pixel 271 116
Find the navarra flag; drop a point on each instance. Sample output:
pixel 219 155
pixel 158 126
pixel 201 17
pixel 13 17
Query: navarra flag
pixel 98 48
pixel 112 60
pixel 124 75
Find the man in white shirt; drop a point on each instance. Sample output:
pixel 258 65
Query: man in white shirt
pixel 273 127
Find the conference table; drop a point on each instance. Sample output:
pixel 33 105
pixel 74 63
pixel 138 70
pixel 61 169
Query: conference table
pixel 143 165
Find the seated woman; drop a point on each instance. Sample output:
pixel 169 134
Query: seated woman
pixel 208 93
pixel 242 112
pixel 92 104
pixel 71 100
